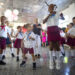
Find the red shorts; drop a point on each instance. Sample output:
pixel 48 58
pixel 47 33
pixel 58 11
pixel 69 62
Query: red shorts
pixel 2 43
pixel 53 34
pixel 17 43
pixel 26 50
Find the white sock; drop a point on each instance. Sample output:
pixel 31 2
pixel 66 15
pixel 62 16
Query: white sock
pixel 0 57
pixel 72 52
pixel 54 53
pixel 62 49
pixel 58 55
pixel 4 52
pixel 11 50
pixel 51 55
pixel 58 60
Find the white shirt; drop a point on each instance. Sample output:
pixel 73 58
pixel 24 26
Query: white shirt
pixel 20 36
pixel 3 32
pixel 62 34
pixel 71 31
pixel 28 43
pixel 53 20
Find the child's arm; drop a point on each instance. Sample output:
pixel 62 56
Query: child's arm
pixel 45 20
pixel 32 36
pixel 9 37
pixel 14 35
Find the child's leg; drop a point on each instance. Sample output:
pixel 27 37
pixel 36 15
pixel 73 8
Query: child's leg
pixel 17 54
pixel 24 52
pixel 45 44
pixel 72 51
pixel 39 46
pixel 1 51
pixel 3 54
pixel 11 49
pixel 51 63
pixel 62 51
pixel 24 60
pixel 34 62
pixel 1 62
pixel 57 48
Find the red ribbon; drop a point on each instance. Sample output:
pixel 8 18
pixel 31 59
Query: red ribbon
pixel 3 27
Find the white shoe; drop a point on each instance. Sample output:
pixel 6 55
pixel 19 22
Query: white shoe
pixel 57 64
pixel 51 65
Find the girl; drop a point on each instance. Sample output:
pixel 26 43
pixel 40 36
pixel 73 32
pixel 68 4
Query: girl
pixel 3 35
pixel 71 38
pixel 53 35
pixel 19 37
pixel 27 45
pixel 43 38
pixel 9 43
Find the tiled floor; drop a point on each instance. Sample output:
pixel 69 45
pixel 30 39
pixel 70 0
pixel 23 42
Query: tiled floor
pixel 13 68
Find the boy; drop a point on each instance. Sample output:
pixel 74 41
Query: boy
pixel 27 45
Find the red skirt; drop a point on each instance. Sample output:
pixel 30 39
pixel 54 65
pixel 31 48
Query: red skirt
pixel 17 43
pixel 53 34
pixel 2 43
pixel 71 41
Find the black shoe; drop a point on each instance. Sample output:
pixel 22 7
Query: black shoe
pixel 3 57
pixel 2 63
pixel 17 59
pixel 34 66
pixel 63 54
pixel 12 55
pixel 23 63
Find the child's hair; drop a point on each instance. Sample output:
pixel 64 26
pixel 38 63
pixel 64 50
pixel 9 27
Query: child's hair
pixel 28 25
pixel 72 24
pixel 53 6
pixel 73 18
pixel 3 17
pixel 18 27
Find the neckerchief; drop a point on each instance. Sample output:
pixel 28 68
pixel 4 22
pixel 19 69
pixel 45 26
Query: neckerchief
pixel 20 33
pixel 28 35
pixel 2 27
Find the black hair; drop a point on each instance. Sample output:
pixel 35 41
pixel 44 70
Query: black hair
pixel 18 27
pixel 72 24
pixel 73 18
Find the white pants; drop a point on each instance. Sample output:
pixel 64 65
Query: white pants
pixel 37 45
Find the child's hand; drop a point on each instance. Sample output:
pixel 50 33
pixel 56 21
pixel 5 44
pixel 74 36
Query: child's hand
pixel 30 37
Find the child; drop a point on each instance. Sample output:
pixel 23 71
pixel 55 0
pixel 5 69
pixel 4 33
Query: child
pixel 62 42
pixel 9 43
pixel 71 38
pixel 43 38
pixel 68 27
pixel 27 45
pixel 53 32
pixel 3 35
pixel 37 32
pixel 17 44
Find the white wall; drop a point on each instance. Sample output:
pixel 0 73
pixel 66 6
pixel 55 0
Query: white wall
pixel 69 13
